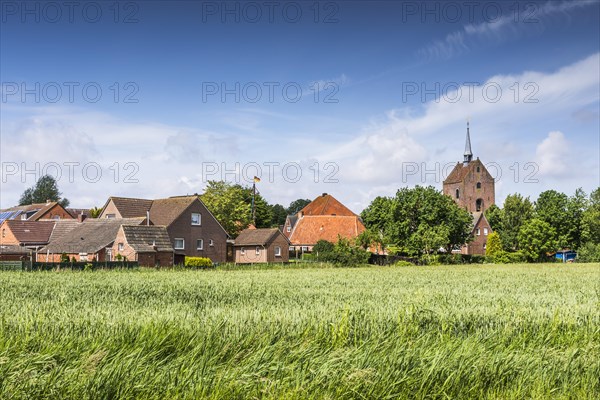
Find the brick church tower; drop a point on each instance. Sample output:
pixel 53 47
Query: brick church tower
pixel 470 184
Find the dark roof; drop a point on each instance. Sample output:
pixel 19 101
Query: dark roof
pixel 75 212
pixel 147 239
pixel 12 249
pixel 62 227
pixel 257 237
pixel 31 232
pixel 130 207
pixel 165 211
pixel 90 236
pixel 326 204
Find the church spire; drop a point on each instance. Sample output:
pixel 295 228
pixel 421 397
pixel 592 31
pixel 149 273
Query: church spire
pixel 468 152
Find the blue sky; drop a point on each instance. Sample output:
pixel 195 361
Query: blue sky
pixel 377 95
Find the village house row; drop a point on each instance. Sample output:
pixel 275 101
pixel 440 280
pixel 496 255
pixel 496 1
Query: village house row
pixel 162 232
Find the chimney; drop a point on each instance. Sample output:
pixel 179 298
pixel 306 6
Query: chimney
pixel 324 194
pixel 148 218
pixel 81 217
pixel 48 201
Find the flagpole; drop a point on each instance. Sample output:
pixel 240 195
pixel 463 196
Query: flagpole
pixel 253 203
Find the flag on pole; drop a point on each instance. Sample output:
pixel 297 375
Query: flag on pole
pixel 256 179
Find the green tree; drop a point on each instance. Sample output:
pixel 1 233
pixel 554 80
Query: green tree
pixel 345 254
pixel 576 207
pixel 494 215
pixel 279 215
pixel 536 239
pixel 415 220
pixel 493 245
pixel 44 189
pixel 297 205
pixel 552 207
pixel 590 221
pixel 229 204
pixel 322 248
pixel 517 211
pixel 95 212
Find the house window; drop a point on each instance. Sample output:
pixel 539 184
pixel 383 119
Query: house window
pixel 196 219
pixel 211 243
pixel 304 248
pixel 478 232
pixel 457 194
pixel 23 217
pixel 200 244
pixel 478 185
pixel 289 228
pixel 179 244
pixel 243 251
pixel 121 246
pixel 83 256
pixel 485 246
pixel 109 254
pixel 277 251
pixel 485 231
pixel 257 251
pixel 110 216
pixel 478 169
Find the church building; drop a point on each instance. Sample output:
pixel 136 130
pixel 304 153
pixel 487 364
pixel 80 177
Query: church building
pixel 471 186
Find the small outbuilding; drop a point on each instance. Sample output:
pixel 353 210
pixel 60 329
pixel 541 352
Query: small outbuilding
pixel 261 246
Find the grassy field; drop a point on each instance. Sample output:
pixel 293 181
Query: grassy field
pixel 451 332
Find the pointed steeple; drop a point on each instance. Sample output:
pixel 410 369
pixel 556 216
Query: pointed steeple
pixel 468 152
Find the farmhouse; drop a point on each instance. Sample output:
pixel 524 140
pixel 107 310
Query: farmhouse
pixel 471 186
pixel 325 218
pixel 191 227
pixel 261 246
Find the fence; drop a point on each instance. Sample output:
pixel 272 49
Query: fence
pixel 75 266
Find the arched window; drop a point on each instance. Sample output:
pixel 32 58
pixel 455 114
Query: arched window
pixel 478 185
pixel 478 204
pixel 457 194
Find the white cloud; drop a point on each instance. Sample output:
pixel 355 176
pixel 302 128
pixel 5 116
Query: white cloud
pixel 507 26
pixel 553 155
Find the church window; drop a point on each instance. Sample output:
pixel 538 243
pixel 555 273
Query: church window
pixel 478 169
pixel 478 205
pixel 478 185
pixel 457 194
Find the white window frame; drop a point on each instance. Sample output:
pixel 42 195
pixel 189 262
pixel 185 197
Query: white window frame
pixel 83 256
pixel 257 251
pixel 201 247
pixel 121 246
pixel 289 228
pixel 478 232
pixel 182 244
pixel 211 243
pixel 199 219
pixel 110 216
pixel 243 251
pixel 277 251
pixel 485 231
pixel 304 248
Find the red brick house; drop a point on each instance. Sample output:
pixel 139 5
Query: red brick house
pixel 89 240
pixel 192 228
pixel 472 187
pixel 148 245
pixel 22 239
pixel 325 218
pixel 35 212
pixel 261 246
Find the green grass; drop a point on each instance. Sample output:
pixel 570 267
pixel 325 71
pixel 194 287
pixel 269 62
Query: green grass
pixel 450 332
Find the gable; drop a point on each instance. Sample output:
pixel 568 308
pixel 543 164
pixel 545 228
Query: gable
pixel 326 204
pixel 310 229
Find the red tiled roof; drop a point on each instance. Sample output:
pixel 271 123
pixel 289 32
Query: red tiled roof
pixel 326 204
pixel 310 229
pixel 31 232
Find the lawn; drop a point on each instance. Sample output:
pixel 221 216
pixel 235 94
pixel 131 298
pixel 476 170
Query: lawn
pixel 459 332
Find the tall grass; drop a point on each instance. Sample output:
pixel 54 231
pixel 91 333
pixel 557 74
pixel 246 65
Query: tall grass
pixel 461 332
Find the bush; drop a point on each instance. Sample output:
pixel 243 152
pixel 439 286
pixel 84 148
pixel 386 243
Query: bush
pixel 505 257
pixel 198 262
pixel 403 263
pixel 344 254
pixel 589 252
